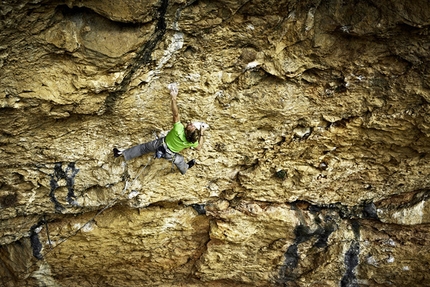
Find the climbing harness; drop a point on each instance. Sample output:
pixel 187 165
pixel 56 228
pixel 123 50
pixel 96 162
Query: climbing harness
pixel 160 152
pixel 164 152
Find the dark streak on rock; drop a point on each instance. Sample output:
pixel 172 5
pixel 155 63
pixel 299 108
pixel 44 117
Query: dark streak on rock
pixel 286 273
pixel 71 172
pixel 351 258
pixel 369 210
pixel 351 261
pixel 324 234
pixel 69 175
pixel 303 234
pixel 200 208
pixel 56 176
pixel 35 241
pixel 366 209
pixel 143 56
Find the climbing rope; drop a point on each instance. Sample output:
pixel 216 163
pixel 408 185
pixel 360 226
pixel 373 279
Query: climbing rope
pixel 110 204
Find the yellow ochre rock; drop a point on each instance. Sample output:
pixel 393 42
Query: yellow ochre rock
pixel 315 170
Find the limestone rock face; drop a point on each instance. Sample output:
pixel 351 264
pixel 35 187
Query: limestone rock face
pixel 315 170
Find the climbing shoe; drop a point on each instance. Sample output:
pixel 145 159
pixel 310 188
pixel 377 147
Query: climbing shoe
pixel 191 163
pixel 116 152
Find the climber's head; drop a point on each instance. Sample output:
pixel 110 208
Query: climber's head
pixel 191 133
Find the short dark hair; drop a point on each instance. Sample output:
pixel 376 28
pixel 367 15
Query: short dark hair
pixel 193 136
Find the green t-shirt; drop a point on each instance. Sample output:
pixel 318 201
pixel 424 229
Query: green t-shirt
pixel 175 139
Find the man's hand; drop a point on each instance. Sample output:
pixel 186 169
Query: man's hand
pixel 201 140
pixel 174 93
pixel 173 87
pixel 202 129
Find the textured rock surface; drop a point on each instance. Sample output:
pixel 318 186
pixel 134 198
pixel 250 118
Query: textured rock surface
pixel 315 171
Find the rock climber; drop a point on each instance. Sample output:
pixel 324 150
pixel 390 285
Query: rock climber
pixel 168 147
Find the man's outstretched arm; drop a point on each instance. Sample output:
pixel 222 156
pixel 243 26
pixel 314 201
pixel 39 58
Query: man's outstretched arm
pixel 175 111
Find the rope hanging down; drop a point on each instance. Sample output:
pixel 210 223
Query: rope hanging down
pixel 110 204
